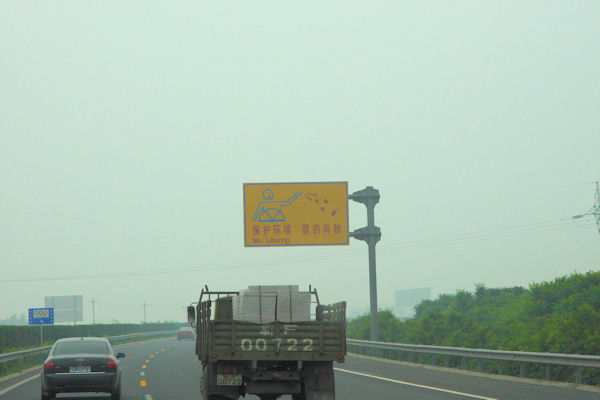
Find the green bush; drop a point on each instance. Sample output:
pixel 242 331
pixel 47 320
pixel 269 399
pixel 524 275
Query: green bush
pixel 562 316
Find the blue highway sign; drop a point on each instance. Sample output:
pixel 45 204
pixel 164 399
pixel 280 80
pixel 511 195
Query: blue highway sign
pixel 41 316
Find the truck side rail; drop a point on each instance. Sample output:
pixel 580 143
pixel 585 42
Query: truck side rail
pixel 203 329
pixel 332 312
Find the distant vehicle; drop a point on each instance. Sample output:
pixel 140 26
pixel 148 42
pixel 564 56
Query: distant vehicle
pixel 84 364
pixel 186 332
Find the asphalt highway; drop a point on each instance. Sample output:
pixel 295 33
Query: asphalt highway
pixel 168 369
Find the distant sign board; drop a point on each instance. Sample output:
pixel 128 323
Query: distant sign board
pixel 66 308
pixel 41 316
pixel 295 214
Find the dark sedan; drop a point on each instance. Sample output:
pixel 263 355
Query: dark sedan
pixel 86 364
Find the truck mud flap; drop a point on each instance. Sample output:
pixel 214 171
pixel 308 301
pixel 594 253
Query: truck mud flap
pixel 273 387
pixel 209 388
pixel 320 385
pixel 320 395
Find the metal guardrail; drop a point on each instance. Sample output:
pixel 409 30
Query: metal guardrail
pixel 577 361
pixel 16 354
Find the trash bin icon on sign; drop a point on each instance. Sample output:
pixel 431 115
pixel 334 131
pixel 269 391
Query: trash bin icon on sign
pixel 272 210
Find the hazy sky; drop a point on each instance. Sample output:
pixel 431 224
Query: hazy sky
pixel 127 130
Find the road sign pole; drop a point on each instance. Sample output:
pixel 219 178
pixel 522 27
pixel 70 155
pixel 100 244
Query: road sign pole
pixel 373 291
pixel 371 234
pixel 41 336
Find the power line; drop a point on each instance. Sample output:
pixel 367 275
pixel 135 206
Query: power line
pixel 595 210
pixel 487 200
pixel 475 239
pixel 457 239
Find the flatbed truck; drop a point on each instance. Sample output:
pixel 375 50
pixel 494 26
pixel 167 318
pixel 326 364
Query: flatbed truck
pixel 267 359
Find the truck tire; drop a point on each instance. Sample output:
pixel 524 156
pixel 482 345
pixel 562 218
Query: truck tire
pixel 47 396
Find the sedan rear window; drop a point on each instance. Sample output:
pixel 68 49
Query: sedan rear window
pixel 81 347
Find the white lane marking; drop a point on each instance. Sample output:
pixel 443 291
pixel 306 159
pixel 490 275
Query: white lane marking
pixel 474 396
pixel 142 373
pixel 8 389
pixel 147 397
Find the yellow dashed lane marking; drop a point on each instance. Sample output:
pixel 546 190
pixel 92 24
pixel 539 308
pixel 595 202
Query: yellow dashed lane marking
pixel 151 355
pixel 162 349
pixel 143 383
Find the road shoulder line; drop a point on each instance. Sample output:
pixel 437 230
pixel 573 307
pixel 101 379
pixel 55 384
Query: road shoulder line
pixel 437 389
pixel 517 379
pixel 8 389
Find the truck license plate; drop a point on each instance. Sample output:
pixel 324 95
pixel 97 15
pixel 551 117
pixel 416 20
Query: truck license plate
pixel 229 380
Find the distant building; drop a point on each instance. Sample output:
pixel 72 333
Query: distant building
pixel 407 299
pixel 14 320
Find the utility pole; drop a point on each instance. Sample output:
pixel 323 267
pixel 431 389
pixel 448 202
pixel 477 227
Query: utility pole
pixel 93 301
pixel 371 234
pixel 595 210
pixel 145 311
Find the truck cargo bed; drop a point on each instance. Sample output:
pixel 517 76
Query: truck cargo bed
pixel 306 340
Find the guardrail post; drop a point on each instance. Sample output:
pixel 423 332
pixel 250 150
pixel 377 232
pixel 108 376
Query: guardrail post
pixel 480 364
pixel 463 363
pixel 420 358
pixel 447 361
pixel 548 373
pixel 499 367
pixel 522 370
pixel 433 360
pixel 578 375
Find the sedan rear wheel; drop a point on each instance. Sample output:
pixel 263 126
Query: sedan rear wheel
pixel 47 396
pixel 116 395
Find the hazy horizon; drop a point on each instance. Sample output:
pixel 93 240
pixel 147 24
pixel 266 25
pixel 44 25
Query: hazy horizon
pixel 128 129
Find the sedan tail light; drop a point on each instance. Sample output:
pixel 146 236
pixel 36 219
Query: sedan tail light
pixel 111 363
pixel 49 364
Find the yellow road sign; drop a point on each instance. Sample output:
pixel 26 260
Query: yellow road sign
pixel 295 214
